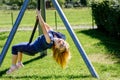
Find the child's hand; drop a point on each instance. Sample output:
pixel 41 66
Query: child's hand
pixel 38 11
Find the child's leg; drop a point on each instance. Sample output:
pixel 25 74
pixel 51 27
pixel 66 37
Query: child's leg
pixel 19 64
pixel 14 59
pixel 13 66
pixel 19 56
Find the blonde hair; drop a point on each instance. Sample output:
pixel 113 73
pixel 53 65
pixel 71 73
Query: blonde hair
pixel 63 57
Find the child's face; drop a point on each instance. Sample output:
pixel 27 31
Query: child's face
pixel 60 44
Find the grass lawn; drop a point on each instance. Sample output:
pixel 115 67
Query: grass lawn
pixel 76 17
pixel 102 51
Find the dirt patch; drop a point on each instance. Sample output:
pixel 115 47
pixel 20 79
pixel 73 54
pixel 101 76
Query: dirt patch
pixel 101 58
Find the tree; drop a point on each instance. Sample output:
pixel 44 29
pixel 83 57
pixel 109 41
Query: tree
pixel 1 2
pixel 83 2
pixel 61 2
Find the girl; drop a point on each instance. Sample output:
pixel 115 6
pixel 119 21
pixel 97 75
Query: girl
pixel 49 39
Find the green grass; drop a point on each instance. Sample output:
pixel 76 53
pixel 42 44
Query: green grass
pixel 102 50
pixel 78 16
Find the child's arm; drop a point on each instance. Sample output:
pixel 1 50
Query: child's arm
pixel 43 26
pixel 48 27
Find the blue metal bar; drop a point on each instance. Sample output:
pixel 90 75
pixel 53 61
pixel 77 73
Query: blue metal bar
pixel 75 39
pixel 13 31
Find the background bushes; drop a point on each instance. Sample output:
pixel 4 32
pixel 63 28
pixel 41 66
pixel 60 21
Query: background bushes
pixel 107 16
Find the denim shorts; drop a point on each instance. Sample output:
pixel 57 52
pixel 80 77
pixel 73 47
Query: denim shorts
pixel 26 48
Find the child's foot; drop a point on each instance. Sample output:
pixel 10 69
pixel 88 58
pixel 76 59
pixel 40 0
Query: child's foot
pixel 19 65
pixel 12 69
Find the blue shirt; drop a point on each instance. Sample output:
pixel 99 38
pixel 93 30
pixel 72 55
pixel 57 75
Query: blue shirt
pixel 40 43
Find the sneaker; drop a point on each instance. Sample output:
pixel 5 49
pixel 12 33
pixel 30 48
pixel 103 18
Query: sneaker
pixel 12 69
pixel 19 65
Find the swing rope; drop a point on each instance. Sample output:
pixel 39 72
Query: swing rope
pixel 33 32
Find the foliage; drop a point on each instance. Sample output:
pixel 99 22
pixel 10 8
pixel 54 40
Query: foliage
pixel 16 4
pixel 61 2
pixel 107 16
pixel 83 2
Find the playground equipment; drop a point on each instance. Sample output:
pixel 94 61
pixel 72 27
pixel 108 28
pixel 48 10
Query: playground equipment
pixel 68 27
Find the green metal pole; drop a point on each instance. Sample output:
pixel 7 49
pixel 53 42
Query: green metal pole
pixel 12 18
pixel 43 9
pixel 56 20
pixel 41 5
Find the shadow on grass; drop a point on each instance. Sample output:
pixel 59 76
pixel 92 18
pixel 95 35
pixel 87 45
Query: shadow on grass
pixel 3 35
pixel 31 60
pixel 111 44
pixel 50 77
pixel 27 62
